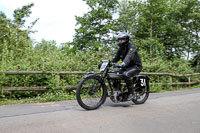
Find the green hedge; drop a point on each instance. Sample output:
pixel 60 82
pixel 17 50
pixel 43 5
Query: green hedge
pixel 51 58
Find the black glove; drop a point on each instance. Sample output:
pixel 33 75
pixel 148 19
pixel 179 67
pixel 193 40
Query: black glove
pixel 122 65
pixel 115 64
pixel 119 65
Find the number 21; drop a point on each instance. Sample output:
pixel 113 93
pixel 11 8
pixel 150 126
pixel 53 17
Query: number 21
pixel 143 82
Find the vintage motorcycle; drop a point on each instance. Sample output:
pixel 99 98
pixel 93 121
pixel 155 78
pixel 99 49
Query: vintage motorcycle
pixel 92 90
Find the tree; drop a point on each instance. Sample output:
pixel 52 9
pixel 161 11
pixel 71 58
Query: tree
pixel 4 29
pixel 142 20
pixel 95 28
pixel 184 28
pixel 162 27
pixel 21 13
pixel 14 36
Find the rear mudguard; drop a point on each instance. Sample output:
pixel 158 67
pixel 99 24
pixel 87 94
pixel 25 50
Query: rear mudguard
pixel 137 77
pixel 142 76
pixel 139 82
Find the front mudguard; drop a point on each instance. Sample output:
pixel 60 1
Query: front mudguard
pixel 89 75
pixel 93 75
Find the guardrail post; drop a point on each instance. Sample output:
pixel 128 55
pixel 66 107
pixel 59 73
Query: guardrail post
pixel 189 80
pixel 170 81
pixel 57 80
pixel 1 89
pixel 1 84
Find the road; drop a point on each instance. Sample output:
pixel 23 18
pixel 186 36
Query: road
pixel 169 112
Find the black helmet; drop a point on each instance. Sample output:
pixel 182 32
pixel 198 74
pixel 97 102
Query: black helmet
pixel 124 36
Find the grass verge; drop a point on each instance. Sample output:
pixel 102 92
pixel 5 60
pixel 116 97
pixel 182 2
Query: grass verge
pixel 60 95
pixel 45 97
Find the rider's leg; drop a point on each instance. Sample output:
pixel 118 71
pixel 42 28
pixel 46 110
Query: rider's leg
pixel 130 72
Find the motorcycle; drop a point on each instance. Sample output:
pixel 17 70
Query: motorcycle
pixel 93 90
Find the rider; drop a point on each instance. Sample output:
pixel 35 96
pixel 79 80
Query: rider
pixel 131 62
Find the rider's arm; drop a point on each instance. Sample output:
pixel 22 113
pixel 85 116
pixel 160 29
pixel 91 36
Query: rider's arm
pixel 129 56
pixel 117 57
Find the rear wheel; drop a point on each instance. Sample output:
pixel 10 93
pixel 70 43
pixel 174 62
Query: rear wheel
pixel 142 93
pixel 91 93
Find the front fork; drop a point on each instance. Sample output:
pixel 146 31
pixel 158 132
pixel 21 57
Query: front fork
pixel 94 88
pixel 110 92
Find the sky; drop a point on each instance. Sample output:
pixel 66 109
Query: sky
pixel 56 17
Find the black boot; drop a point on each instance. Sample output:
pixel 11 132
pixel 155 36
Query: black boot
pixel 131 94
pixel 130 86
pixel 130 97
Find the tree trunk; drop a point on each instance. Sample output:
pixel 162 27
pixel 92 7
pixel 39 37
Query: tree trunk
pixel 151 34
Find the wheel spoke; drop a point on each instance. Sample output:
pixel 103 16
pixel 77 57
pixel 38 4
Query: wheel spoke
pixel 90 93
pixel 141 95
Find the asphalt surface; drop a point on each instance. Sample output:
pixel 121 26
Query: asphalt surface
pixel 169 112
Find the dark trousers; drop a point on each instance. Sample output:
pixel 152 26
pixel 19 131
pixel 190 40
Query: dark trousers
pixel 127 74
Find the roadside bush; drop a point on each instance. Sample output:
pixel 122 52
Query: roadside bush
pixel 46 56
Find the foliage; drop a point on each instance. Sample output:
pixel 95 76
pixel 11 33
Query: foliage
pixel 95 28
pixel 164 32
pixel 171 25
pixel 14 36
pixel 196 62
pixel 20 14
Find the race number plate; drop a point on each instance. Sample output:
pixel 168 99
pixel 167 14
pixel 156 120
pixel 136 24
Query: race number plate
pixel 143 82
pixel 103 66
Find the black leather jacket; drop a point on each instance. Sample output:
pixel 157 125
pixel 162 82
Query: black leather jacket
pixel 129 55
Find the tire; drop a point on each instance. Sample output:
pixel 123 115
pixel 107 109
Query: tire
pixel 142 92
pixel 91 92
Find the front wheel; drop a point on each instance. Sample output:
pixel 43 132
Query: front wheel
pixel 91 92
pixel 142 93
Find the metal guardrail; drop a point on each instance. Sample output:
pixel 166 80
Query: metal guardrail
pixel 171 75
